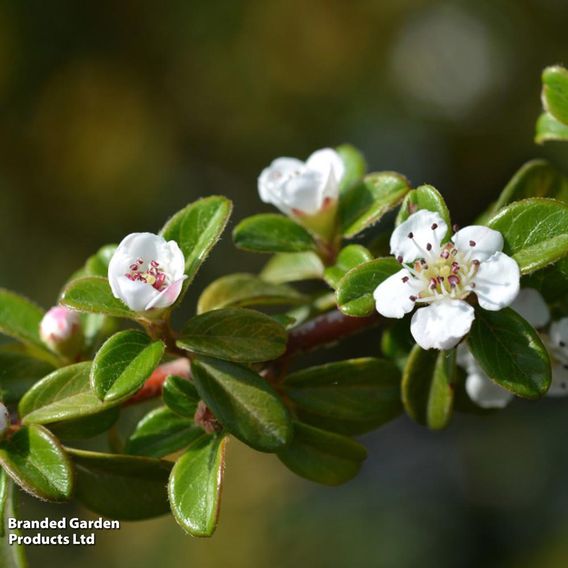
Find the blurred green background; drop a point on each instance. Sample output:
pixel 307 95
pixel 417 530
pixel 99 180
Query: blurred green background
pixel 115 114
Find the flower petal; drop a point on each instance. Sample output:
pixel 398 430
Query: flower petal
pixel 327 160
pixel 497 282
pixel 166 297
pixel 531 305
pixel 481 241
pixel 410 239
pixel 442 324
pixel 272 178
pixel 392 296
pixel 559 385
pixel 559 338
pixel 135 294
pixel 175 262
pixel 485 393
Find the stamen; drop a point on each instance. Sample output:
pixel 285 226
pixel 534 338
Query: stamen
pixel 434 226
pixel 411 235
pixel 472 243
pixel 413 298
pixel 456 228
pixel 399 259
pixel 405 279
pixel 428 247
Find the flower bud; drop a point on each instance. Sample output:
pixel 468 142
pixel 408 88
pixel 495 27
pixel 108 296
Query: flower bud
pixel 4 420
pixel 146 272
pixel 307 191
pixel 60 329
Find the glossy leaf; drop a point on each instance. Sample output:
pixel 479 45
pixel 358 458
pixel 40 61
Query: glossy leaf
pixel 535 232
pixel 349 397
pixel 195 484
pixel 161 433
pixel 244 403
pixel 424 197
pixel 354 164
pixel 355 290
pixel 428 385
pixel 536 178
pixel 129 488
pixel 322 456
pixel 97 264
pixel 35 460
pixel 180 395
pixel 93 294
pixel 347 259
pixel 86 426
pixel 234 334
pixel 366 202
pixel 292 267
pixel 272 233
pixel 239 290
pixel 123 364
pixel 555 92
pixel 11 555
pixel 65 394
pixel 197 228
pixel 20 318
pixel 548 129
pixel 510 352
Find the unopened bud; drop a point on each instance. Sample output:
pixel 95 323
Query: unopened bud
pixel 60 329
pixel 4 420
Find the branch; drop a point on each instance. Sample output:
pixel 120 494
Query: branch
pixel 323 330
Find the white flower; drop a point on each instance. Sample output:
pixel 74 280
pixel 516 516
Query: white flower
pixel 58 325
pixel 531 306
pixel 441 276
pixel 4 420
pixel 146 272
pixel 303 188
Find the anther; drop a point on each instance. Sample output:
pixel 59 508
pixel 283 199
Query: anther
pixel 413 298
pixel 405 279
pixel 399 259
pixel 411 235
pixel 472 243
pixel 154 264
pixel 476 262
pixel 133 267
pixel 140 261
pixel 434 226
pixel 428 247
pixel 456 228
pixel 453 281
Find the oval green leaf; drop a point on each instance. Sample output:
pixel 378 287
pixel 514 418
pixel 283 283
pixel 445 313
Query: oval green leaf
pixel 35 460
pixel 234 334
pixel 548 129
pixel 244 403
pixel 272 233
pixel 123 363
pixel 424 197
pixel 347 259
pixel 292 267
pixel 180 396
pixel 20 318
pixel 510 352
pixel 354 164
pixel 195 485
pixel 555 92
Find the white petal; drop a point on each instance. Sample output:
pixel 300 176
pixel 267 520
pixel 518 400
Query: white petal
pixel 559 385
pixel 559 338
pixel 326 160
pixel 135 294
pixel 531 305
pixel 272 178
pixel 166 297
pixel 392 296
pixel 465 359
pixel 481 241
pixel 442 324
pixel 419 226
pixel 304 193
pixel 497 282
pixel 485 393
pixel 174 264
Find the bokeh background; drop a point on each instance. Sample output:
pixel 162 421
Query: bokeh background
pixel 115 114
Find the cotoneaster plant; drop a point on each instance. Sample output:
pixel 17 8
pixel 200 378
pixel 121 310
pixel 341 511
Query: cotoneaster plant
pixel 468 319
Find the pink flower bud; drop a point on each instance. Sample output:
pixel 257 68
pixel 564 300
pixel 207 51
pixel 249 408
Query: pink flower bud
pixel 60 329
pixel 4 420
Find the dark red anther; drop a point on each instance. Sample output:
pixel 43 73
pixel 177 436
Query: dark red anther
pixel 428 247
pixel 413 298
pixel 472 243
pixel 405 279
pixel 411 235
pixel 434 226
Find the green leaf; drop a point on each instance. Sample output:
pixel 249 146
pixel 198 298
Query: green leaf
pixel 292 267
pixel 555 92
pixel 355 290
pixel 424 197
pixel 428 385
pixel 123 363
pixel 97 265
pixel 536 178
pixel 510 352
pixel 272 233
pixel 4 490
pixel 195 485
pixel 65 394
pixel 180 396
pixel 234 334
pixel 121 487
pixel 93 294
pixel 18 373
pixel 196 229
pixel 11 555
pixel 246 290
pixel 397 342
pixel 551 282
pixel 161 433
pixel 20 318
pixel 35 460
pixel 348 258
pixel 535 232
pixel 349 397
pixel 322 456
pixel 244 403
pixel 354 163
pixel 365 203
pixel 548 129
pixel 86 426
